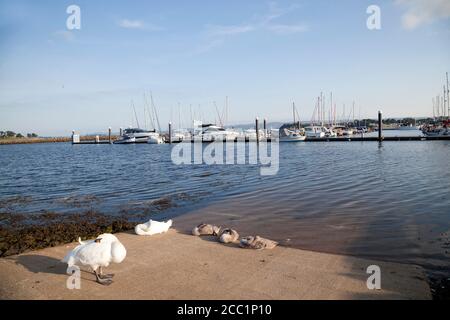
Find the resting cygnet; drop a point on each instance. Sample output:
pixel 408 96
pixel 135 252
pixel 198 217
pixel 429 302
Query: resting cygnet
pixel 205 230
pixel 257 243
pixel 228 235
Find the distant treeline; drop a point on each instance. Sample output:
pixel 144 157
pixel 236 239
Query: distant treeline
pixel 12 134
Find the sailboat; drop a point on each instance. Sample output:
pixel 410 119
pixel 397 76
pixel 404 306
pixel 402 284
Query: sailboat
pixel 136 135
pixel 155 138
pixel 298 134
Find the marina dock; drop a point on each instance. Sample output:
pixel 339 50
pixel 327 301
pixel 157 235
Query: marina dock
pixel 354 138
pixel 264 136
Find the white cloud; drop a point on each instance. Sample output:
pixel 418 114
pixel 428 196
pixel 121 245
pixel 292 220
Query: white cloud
pixel 421 12
pixel 137 24
pixel 228 30
pixel 261 22
pixel 276 12
pixel 287 29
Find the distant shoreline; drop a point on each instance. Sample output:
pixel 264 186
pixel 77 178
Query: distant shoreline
pixel 8 141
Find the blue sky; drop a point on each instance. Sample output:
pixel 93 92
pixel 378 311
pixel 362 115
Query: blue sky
pixel 261 54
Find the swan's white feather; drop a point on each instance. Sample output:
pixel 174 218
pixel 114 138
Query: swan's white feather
pixel 152 227
pixel 97 253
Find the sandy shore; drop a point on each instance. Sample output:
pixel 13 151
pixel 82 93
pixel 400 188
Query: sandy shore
pixel 179 266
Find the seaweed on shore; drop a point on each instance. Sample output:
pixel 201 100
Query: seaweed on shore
pixel 144 208
pixel 59 229
pixel 25 232
pixel 79 201
pixel 9 203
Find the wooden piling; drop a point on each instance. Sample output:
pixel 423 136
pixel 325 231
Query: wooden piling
pixel 257 129
pixel 109 135
pixel 380 126
pixel 170 132
pixel 120 131
pixel 75 137
pixel 265 128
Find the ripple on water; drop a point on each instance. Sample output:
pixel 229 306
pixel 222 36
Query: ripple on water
pixel 386 202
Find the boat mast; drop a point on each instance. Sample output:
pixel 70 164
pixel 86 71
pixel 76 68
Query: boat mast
pixel 154 111
pixel 135 114
pixel 293 113
pixel 353 112
pixel 331 109
pixel 448 98
pixel 218 114
pixel 434 109
pixel 145 120
pixel 321 109
pixel 226 110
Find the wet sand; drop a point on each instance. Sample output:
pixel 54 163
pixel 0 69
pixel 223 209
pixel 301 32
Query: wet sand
pixel 179 266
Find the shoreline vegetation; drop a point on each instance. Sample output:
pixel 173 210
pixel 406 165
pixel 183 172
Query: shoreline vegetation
pixel 31 140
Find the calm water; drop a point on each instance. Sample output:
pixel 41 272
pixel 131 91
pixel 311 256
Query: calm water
pixel 389 202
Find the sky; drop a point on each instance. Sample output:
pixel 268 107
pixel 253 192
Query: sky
pixel 191 55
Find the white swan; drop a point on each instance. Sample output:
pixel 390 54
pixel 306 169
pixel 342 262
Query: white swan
pixel 205 230
pixel 257 243
pixel 152 227
pixel 228 235
pixel 98 253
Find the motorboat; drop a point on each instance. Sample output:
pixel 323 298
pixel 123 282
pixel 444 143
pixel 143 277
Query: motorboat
pixel 155 139
pixel 250 135
pixel 216 133
pixel 314 132
pixel 343 131
pixel 329 132
pixel 180 135
pixel 293 135
pixel 136 135
pixel 437 129
pixel 125 140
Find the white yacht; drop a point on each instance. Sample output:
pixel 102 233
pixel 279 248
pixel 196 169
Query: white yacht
pixel 314 132
pixel 296 134
pixel 155 139
pixel 329 132
pixel 181 135
pixel 293 135
pixel 136 135
pixel 343 131
pixel 216 133
pixel 250 134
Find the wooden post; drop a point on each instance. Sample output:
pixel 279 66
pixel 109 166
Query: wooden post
pixel 170 132
pixel 257 129
pixel 75 137
pixel 109 135
pixel 380 126
pixel 265 128
pixel 120 131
